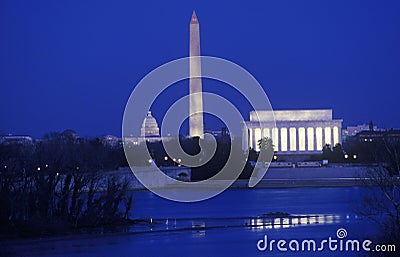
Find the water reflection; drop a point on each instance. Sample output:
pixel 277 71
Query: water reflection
pixel 260 223
pixel 198 226
pixel 198 229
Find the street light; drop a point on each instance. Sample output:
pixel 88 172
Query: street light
pixel 38 168
pixel 346 156
pixel 166 158
pixel 354 156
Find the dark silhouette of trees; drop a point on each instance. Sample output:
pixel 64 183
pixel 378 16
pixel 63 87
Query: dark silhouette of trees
pixel 266 149
pixel 382 202
pixel 252 155
pixel 335 154
pixel 191 146
pixel 217 161
pixel 58 184
pixel 382 205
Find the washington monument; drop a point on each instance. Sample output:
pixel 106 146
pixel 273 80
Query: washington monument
pixel 196 99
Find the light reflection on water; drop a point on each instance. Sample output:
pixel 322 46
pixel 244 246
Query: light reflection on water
pixel 199 226
pixel 199 229
pixel 261 223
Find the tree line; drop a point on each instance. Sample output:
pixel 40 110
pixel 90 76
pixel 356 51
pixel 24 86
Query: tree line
pixel 56 185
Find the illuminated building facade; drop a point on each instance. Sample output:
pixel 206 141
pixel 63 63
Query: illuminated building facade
pixel 294 131
pixel 149 127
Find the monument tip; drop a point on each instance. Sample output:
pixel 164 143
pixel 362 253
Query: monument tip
pixel 194 18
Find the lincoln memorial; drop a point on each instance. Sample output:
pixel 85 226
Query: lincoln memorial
pixel 294 131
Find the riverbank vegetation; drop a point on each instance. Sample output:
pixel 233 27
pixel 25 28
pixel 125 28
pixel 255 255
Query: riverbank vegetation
pixel 382 203
pixel 55 186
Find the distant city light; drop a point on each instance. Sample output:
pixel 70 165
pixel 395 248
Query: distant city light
pixel 275 157
pixel 346 156
pixel 38 168
pixel 179 160
pixel 354 156
pixel 150 160
pixel 47 165
pixel 166 158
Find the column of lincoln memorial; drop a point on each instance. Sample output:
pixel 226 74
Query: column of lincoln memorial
pixel 294 131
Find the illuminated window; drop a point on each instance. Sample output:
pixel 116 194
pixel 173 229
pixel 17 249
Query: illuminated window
pixel 310 139
pixel 275 140
pixel 318 132
pixel 257 135
pixel 302 139
pixel 328 135
pixel 283 139
pixel 292 138
pixel 335 135
pixel 266 133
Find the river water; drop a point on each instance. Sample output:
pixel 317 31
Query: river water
pixel 229 224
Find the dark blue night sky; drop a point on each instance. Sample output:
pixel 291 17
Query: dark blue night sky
pixel 73 64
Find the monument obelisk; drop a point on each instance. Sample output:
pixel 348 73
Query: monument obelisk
pixel 196 100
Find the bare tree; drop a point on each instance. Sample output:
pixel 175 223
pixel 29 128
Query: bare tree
pixel 382 203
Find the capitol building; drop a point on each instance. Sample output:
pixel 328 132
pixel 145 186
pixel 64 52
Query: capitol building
pixel 294 131
pixel 149 127
pixel 149 132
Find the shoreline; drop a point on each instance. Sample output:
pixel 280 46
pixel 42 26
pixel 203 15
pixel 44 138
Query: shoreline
pixel 293 183
pixel 330 176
